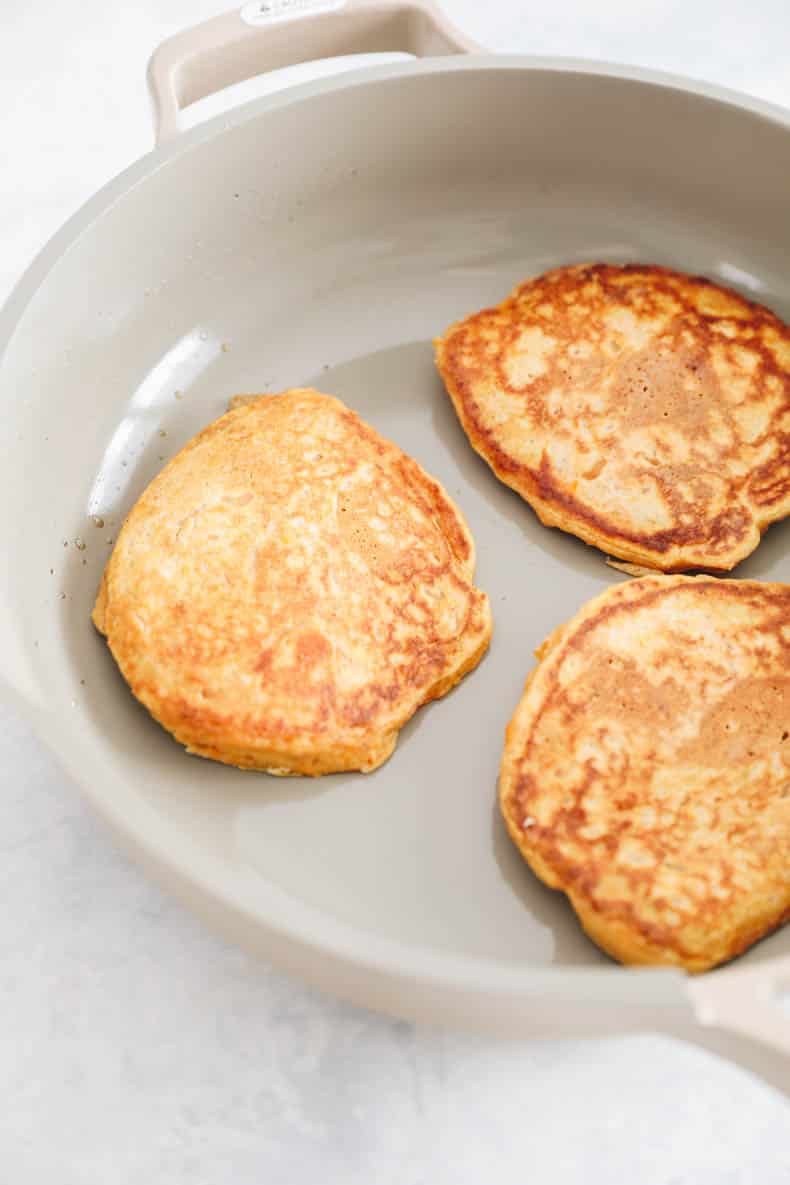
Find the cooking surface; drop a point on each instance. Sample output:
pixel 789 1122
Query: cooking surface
pixel 122 991
pixel 415 852
pixel 335 273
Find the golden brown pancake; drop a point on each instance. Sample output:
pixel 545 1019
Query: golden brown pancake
pixel 646 411
pixel 290 589
pixel 646 770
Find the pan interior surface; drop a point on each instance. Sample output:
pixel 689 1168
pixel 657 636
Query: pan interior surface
pixel 240 265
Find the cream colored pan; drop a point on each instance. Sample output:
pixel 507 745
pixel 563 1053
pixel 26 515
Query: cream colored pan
pixel 322 236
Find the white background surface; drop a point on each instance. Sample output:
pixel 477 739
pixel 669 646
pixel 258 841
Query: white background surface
pixel 134 1047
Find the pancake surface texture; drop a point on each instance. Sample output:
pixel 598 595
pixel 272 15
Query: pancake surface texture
pixel 646 770
pixel 646 411
pixel 290 589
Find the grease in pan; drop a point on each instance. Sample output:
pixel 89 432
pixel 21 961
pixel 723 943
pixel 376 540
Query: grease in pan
pixel 290 589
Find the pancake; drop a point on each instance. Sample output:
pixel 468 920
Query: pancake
pixel 290 589
pixel 646 411
pixel 646 770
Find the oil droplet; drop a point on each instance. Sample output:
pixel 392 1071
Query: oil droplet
pixel 52 571
pixel 65 542
pixel 162 432
pixel 225 347
pixel 62 596
pixel 97 520
pixel 179 394
pixel 84 561
pixel 82 682
pixel 80 544
pixel 110 539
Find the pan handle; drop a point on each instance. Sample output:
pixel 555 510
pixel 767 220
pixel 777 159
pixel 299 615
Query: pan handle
pixel 269 34
pixel 747 1001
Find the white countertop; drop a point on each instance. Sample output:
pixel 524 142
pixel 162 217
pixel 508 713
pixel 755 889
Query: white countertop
pixel 135 1047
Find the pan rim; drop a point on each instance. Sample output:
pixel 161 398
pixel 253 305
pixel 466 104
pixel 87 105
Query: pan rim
pixel 31 279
